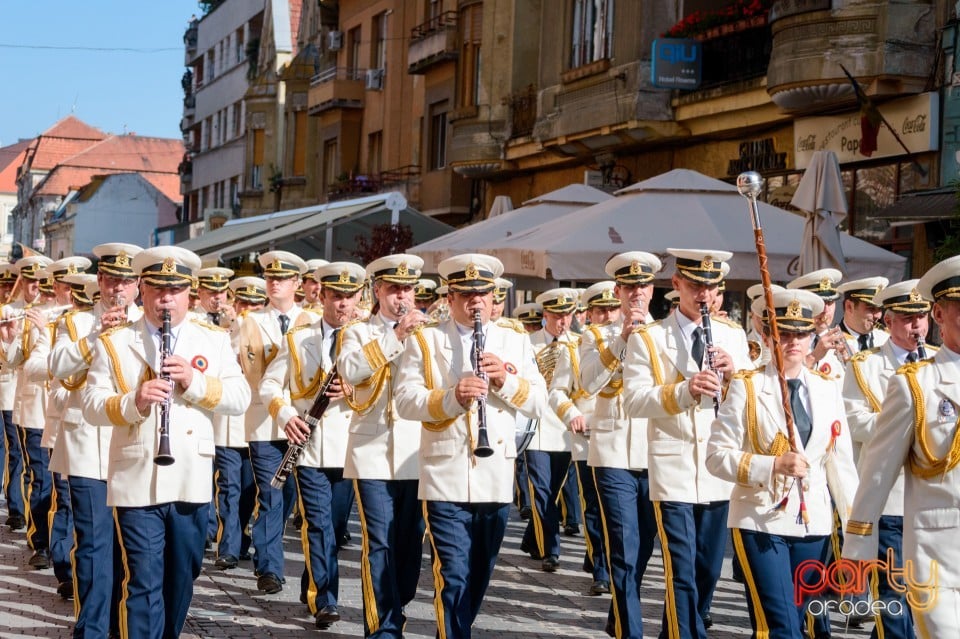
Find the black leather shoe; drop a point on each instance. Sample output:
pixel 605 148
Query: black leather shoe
pixel 599 588
pixel 269 584
pixel 226 562
pixel 534 554
pixel 297 521
pixel 525 513
pixel 707 621
pixel 40 559
pixel 344 540
pixel 326 616
pixel 65 590
pixel 550 563
pixel 609 629
pixel 571 530
pixel 16 522
pixel 245 556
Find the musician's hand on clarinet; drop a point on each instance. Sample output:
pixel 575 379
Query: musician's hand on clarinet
pixel 722 361
pixel 154 391
pixel 469 389
pixel 495 370
pixel 297 430
pixel 705 382
pixel 791 464
pixel 578 424
pixel 337 388
pixel 179 369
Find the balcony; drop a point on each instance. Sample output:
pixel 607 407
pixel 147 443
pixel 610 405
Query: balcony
pixel 523 112
pixel 336 88
pixel 432 42
pixel 735 52
pixel 399 179
pixel 190 41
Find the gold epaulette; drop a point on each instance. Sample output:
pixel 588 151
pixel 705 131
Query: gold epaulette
pixel 299 327
pixel 821 374
pixel 642 327
pixel 864 354
pixel 932 350
pixel 207 325
pixel 511 322
pixel 746 373
pixel 113 329
pixel 726 320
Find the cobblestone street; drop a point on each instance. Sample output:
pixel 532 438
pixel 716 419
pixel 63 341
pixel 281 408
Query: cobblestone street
pixel 522 601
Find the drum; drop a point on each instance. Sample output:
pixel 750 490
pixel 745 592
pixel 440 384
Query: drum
pixel 526 429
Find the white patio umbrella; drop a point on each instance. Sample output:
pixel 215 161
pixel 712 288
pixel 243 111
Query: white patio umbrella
pixel 820 194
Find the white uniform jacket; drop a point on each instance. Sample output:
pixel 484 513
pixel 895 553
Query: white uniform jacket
pixel 552 434
pixel 30 402
pixel 434 360
pixel 37 369
pixel 300 368
pixel 568 401
pixel 82 449
pixel 879 338
pixel 381 444
pixel 616 439
pixel 864 387
pixel 656 374
pixel 126 356
pixel 258 344
pixel 916 437
pixel 749 434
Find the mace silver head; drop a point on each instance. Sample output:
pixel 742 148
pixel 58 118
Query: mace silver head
pixel 750 184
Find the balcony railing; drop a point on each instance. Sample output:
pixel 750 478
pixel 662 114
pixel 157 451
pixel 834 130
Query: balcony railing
pixel 523 111
pixel 388 180
pixel 337 88
pixel 734 56
pixel 433 41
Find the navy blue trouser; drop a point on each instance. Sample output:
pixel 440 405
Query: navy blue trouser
pixel 320 582
pixel 521 486
pixel 38 484
pixel 570 498
pixel 273 507
pixel 595 559
pixel 631 528
pixel 466 540
pixel 13 465
pixel 391 521
pixel 97 567
pixel 61 529
pixel 692 538
pixel 236 495
pixel 769 562
pixel 887 625
pixel 162 549
pixel 342 505
pixel 546 473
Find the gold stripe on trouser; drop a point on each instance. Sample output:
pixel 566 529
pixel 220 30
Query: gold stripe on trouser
pixel 535 513
pixel 875 591
pixel 26 489
pixel 305 541
pixel 216 507
pixel 73 572
pixel 617 625
pixel 256 494
pixel 759 618
pixel 583 510
pixel 370 611
pixel 670 610
pixel 437 579
pixel 560 501
pixel 125 586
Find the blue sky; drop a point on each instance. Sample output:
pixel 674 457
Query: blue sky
pixel 112 89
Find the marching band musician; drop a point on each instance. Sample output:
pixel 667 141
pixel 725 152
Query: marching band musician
pixel 10 438
pixel 467 496
pixel 236 491
pixel 828 350
pixel 307 356
pixel 861 315
pixel 261 334
pixel 161 510
pixel 618 442
pixel 575 408
pixel 530 314
pixel 905 316
pixel 500 298
pixel 548 455
pixel 19 337
pixel 750 446
pixel 673 377
pixel 530 317
pixel 759 353
pixel 82 450
pixel 311 287
pixel 212 286
pixel 425 294
pixel 382 446
pixel 915 435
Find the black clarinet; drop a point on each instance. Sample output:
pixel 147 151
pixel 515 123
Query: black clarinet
pixel 708 346
pixel 921 350
pixel 313 417
pixel 164 458
pixel 483 442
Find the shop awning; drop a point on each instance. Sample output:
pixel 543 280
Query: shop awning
pixel 241 229
pixel 935 204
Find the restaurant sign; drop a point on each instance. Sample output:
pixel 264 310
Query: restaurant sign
pixel 916 121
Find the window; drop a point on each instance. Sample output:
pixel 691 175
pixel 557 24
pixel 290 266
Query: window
pixel 238 42
pixel 237 125
pixel 471 23
pixel 437 144
pixel 379 52
pixel 211 69
pixel 434 8
pixel 374 153
pixel 592 34
pixel 300 143
pixel 257 164
pixel 207 130
pixel 353 51
pixel 330 163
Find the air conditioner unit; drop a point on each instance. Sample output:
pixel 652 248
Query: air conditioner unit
pixel 374 79
pixel 334 40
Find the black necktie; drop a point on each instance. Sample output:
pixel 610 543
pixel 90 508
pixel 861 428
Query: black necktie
pixel 284 323
pixel 800 416
pixel 333 344
pixel 912 357
pixel 865 341
pixel 697 350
